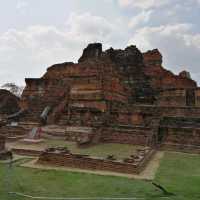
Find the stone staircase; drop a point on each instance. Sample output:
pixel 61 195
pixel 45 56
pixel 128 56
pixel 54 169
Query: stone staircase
pixel 54 132
pixel 20 128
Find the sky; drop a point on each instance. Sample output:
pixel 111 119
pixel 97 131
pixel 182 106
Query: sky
pixel 35 34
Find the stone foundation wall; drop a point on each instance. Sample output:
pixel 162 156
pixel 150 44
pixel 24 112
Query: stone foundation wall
pixel 197 97
pixel 180 111
pixel 26 152
pixel 180 148
pixel 182 136
pixel 125 138
pixel 138 136
pixel 11 131
pixel 40 92
pixel 89 163
pixel 172 98
pixel 2 143
pixel 168 111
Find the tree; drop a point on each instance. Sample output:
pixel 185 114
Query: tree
pixel 13 88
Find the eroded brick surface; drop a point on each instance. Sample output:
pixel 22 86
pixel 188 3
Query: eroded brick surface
pixel 122 95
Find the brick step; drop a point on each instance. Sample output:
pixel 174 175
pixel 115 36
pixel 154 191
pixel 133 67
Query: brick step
pixel 54 132
pixel 31 120
pixel 62 123
pixel 13 131
pixel 53 136
pixel 28 123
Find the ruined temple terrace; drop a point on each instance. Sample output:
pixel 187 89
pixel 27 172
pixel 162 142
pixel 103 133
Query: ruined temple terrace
pixel 110 100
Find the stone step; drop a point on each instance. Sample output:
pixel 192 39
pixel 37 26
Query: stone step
pixel 54 132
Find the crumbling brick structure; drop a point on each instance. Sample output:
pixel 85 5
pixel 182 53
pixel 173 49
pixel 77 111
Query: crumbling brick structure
pixel 4 154
pixel 131 165
pixel 2 143
pixel 9 103
pixel 121 95
pixel 161 78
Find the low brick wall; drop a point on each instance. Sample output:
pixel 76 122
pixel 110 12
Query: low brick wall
pixel 181 137
pixel 26 152
pixel 125 138
pixel 180 148
pixel 2 143
pixel 90 163
pixel 137 136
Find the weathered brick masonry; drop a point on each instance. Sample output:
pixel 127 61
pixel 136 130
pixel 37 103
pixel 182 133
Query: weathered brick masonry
pixel 122 95
pixel 91 163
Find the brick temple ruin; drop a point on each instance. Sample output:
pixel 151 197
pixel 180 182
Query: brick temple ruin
pixel 9 103
pixel 4 153
pixel 113 96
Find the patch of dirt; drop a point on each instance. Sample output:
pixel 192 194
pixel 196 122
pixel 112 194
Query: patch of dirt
pixel 150 171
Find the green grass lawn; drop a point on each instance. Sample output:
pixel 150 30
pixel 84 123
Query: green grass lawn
pixel 179 173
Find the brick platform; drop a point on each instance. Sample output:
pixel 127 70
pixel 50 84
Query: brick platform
pixel 90 163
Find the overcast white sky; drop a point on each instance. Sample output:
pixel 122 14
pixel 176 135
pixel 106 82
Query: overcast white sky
pixel 35 34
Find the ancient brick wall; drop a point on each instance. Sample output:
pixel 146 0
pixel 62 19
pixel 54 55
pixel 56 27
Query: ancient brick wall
pixel 26 152
pixel 99 105
pixel 94 84
pixel 182 136
pixel 137 119
pixel 44 91
pixel 9 103
pixel 113 88
pixel 122 135
pixel 127 118
pixel 175 97
pixel 13 131
pixel 89 163
pixel 197 97
pixel 180 111
pixel 71 70
pixel 136 136
pixel 162 78
pixel 40 93
pixel 180 148
pixel 183 131
pixel 2 143
pixel 152 58
pixel 168 111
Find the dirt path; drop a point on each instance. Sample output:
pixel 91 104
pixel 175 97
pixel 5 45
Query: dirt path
pixel 151 169
pixel 148 173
